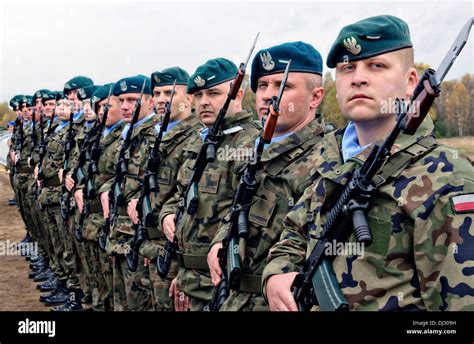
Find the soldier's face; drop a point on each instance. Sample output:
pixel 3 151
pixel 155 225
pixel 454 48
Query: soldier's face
pixel 297 103
pixel 39 105
pixel 128 102
pixel 72 96
pixel 64 109
pixel 210 101
pixel 366 89
pixel 162 94
pixel 26 111
pixel 49 107
pixel 89 114
pixel 114 115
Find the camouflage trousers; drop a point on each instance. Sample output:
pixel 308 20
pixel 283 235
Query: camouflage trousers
pixel 82 268
pixel 132 290
pixel 54 224
pixel 100 267
pixel 99 263
pixel 246 302
pixel 70 254
pixel 21 182
pixel 38 232
pixel 197 285
pixel 162 301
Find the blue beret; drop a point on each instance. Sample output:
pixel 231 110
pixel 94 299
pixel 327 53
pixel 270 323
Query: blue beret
pixel 369 37
pixel 86 92
pixel 76 83
pixel 212 73
pixel 167 77
pixel 11 123
pixel 132 84
pixel 304 58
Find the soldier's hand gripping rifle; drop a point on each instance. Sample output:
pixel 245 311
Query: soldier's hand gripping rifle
pixel 68 146
pixel 237 220
pixel 149 185
pixel 189 199
pixel 316 283
pixel 93 169
pixel 116 197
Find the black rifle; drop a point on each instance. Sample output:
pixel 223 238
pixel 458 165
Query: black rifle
pixel 42 148
pixel 149 185
pixel 316 283
pixel 237 220
pixel 19 143
pixel 68 146
pixel 34 139
pixel 93 169
pixel 189 199
pixel 116 197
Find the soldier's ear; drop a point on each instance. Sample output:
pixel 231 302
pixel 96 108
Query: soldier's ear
pixel 413 79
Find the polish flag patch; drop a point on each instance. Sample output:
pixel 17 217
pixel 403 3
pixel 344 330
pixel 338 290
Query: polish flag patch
pixel 463 203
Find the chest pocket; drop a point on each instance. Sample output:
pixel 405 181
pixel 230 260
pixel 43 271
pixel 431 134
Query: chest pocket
pixel 164 175
pixel 262 210
pixel 210 182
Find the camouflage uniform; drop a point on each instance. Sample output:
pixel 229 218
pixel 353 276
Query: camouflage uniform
pixel 49 199
pixel 172 149
pixel 99 262
pixel 85 276
pixel 137 284
pixel 196 232
pixel 422 248
pixel 282 180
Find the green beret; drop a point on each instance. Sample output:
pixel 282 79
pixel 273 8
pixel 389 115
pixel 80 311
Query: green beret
pixel 212 73
pixel 167 77
pixel 28 100
pixel 15 101
pixel 100 94
pixel 86 92
pixel 60 95
pixel 76 83
pixel 369 37
pixel 47 95
pixel 132 84
pixel 304 58
pixel 38 94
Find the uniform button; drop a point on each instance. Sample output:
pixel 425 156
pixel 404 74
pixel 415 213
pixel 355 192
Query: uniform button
pixel 338 172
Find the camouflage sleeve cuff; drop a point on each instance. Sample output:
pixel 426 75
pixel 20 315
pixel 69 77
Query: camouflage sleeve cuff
pixel 168 208
pixel 221 234
pixel 106 187
pixel 277 266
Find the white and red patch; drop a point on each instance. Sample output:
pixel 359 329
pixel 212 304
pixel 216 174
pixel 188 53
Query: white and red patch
pixel 463 203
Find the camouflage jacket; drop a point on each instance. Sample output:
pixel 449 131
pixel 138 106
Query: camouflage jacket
pixel 215 198
pixel 284 176
pixel 24 154
pixel 142 137
pixel 172 149
pixel 52 162
pixel 422 248
pixel 82 148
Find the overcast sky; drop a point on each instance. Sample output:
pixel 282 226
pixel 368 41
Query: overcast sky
pixel 44 44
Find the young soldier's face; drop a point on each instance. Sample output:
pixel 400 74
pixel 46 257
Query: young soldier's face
pixel 26 111
pixel 297 103
pixel 114 115
pixel 72 96
pixel 48 109
pixel 210 101
pixel 64 109
pixel 162 94
pixel 128 102
pixel 39 105
pixel 89 114
pixel 366 89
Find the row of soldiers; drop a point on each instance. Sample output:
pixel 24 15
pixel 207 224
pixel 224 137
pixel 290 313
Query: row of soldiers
pixel 135 190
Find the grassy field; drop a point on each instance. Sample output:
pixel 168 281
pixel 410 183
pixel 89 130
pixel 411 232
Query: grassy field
pixel 465 144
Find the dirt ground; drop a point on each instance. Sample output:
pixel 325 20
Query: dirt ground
pixel 17 291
